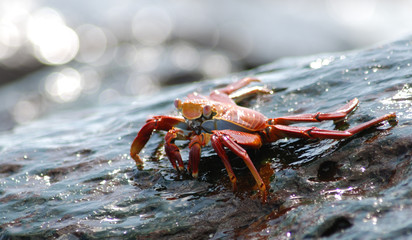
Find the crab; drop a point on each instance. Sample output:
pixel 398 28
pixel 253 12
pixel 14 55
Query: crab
pixel 218 120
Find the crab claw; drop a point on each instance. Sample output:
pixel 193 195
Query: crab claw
pixel 140 141
pixel 155 123
pixel 172 151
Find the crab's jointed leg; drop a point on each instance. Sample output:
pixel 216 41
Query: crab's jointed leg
pixel 223 94
pixel 155 123
pixel 276 132
pixel 218 146
pixel 195 146
pixel 242 94
pixel 337 115
pixel 234 141
pixel 172 151
pixel 236 85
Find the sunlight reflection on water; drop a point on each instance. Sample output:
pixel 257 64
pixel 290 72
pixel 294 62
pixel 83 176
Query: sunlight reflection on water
pixel 54 42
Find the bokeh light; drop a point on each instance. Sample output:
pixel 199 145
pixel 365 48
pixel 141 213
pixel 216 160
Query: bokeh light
pixel 53 41
pixel 142 84
pixel 91 80
pixel 147 58
pixel 25 111
pixel 13 15
pixel 185 56
pixel 152 25
pixel 126 54
pixel 93 43
pixel 216 65
pixel 64 86
pixel 10 39
pixel 108 95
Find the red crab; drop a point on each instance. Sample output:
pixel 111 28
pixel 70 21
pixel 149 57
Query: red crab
pixel 218 119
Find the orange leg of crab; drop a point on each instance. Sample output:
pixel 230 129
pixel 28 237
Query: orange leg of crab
pixel 280 131
pixel 172 151
pixel 218 146
pixel 234 141
pixel 337 115
pixel 195 146
pixel 222 94
pixel 155 123
pixel 240 95
pixel 237 85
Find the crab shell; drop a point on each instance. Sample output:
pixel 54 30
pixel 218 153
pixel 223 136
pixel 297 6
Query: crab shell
pixel 216 116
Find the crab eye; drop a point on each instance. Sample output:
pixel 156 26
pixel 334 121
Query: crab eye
pixel 178 104
pixel 207 111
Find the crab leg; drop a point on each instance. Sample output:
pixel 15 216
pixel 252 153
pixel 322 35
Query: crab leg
pixel 280 131
pixel 337 115
pixel 195 146
pixel 233 141
pixel 236 85
pixel 240 95
pixel 222 94
pixel 155 123
pixel 172 151
pixel 218 146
